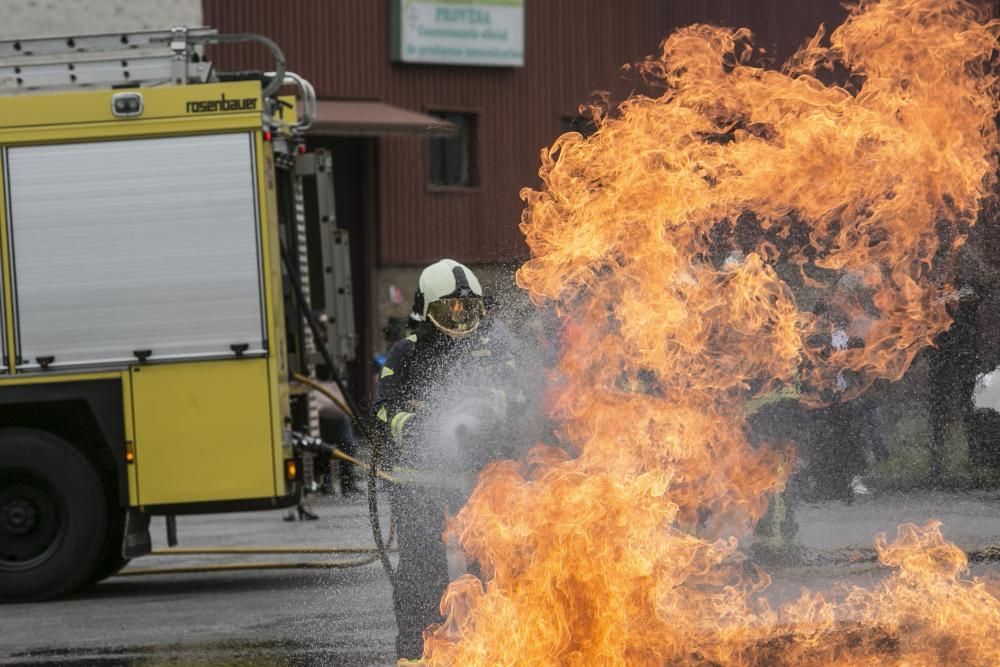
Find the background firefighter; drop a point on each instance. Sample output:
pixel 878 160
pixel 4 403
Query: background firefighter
pixel 442 405
pixel 969 348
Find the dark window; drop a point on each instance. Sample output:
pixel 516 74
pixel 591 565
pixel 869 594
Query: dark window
pixel 452 159
pixel 582 124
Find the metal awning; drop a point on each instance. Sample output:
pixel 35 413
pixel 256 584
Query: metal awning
pixel 357 117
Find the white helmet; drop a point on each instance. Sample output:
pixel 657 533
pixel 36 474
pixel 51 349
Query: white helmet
pixel 450 297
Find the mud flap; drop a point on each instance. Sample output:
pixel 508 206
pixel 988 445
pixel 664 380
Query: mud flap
pixel 137 541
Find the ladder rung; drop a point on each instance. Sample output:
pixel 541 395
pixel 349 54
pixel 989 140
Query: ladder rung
pixel 93 73
pixel 118 41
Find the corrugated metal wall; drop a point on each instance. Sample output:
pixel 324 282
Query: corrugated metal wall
pixel 572 47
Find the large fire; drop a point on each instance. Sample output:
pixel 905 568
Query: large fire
pixel 623 545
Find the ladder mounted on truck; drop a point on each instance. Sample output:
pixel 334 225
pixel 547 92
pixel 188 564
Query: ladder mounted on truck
pixel 121 59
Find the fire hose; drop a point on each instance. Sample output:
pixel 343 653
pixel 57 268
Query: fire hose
pixel 286 212
pixel 337 453
pixel 353 413
pixel 372 553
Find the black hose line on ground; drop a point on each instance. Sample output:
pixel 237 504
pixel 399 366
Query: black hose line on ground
pixel 270 565
pixel 356 416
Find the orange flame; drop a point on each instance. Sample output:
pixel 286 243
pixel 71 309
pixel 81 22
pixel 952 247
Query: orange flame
pixel 626 549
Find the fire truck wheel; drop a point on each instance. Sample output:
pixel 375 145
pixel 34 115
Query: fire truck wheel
pixel 53 516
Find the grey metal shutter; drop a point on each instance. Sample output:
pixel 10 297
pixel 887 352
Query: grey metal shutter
pixel 144 244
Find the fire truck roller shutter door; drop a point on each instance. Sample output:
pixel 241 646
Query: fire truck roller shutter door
pixel 151 244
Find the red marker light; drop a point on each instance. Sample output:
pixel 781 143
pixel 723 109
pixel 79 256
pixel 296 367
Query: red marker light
pixel 302 148
pixel 267 135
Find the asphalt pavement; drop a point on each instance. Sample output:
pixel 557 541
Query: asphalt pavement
pixel 258 617
pixel 343 617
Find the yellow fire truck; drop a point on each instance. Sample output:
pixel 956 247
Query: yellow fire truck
pixel 149 325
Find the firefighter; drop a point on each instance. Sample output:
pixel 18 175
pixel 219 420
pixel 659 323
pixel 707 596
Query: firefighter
pixel 430 399
pixel 844 433
pixel 969 348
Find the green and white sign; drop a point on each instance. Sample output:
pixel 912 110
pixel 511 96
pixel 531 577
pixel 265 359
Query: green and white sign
pixel 458 32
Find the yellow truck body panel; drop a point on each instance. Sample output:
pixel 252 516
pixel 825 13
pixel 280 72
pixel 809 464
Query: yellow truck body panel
pixel 201 430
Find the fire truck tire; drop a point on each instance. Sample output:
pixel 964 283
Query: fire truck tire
pixel 112 560
pixel 53 516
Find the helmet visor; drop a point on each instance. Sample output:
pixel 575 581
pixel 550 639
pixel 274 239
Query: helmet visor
pixel 456 316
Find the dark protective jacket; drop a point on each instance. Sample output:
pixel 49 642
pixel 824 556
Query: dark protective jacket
pixel 434 387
